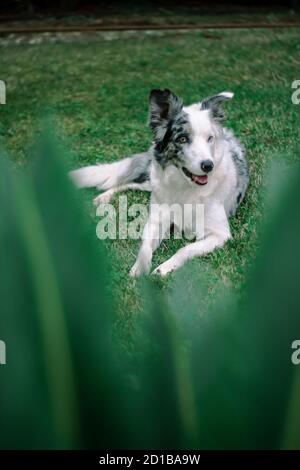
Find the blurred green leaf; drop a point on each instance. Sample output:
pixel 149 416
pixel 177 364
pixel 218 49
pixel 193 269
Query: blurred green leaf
pixel 203 373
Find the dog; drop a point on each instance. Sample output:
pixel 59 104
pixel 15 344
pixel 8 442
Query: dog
pixel 193 160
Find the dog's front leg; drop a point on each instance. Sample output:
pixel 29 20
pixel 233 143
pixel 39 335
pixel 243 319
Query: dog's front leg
pixel 217 233
pixel 155 229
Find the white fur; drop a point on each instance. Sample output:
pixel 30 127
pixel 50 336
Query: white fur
pixel 104 176
pixel 105 197
pixel 227 94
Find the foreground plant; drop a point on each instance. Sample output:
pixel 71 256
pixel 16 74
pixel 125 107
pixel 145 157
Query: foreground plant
pixel 199 376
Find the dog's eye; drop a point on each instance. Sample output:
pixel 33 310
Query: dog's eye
pixel 210 139
pixel 183 139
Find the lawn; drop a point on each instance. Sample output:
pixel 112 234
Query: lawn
pixel 97 89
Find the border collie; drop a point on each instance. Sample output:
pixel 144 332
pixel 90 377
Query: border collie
pixel 193 160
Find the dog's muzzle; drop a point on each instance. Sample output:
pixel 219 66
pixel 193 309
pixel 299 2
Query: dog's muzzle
pixel 198 179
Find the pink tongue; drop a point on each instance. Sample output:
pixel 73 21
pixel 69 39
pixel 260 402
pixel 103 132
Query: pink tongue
pixel 200 179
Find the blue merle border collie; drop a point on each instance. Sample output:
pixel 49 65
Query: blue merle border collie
pixel 192 160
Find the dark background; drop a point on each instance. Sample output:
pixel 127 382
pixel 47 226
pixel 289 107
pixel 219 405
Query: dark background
pixel 21 8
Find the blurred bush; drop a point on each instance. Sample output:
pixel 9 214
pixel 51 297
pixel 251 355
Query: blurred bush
pixel 221 380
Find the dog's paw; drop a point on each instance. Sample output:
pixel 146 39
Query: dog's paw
pixel 139 268
pixel 165 268
pixel 103 198
pixel 136 270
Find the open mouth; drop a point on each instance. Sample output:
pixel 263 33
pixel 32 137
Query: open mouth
pixel 198 179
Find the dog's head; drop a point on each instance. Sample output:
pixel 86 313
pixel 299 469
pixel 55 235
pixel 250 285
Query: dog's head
pixel 187 137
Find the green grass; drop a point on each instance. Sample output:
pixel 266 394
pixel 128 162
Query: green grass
pixel 98 90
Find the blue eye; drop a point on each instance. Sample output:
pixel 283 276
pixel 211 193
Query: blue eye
pixel 210 139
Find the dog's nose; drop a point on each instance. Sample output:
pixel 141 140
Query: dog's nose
pixel 207 166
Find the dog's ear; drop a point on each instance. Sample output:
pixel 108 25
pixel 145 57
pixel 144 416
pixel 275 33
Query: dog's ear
pixel 213 103
pixel 164 106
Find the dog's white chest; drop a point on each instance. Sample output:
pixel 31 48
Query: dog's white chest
pixel 182 204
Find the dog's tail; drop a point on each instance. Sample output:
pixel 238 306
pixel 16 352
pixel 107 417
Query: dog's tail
pixel 109 175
